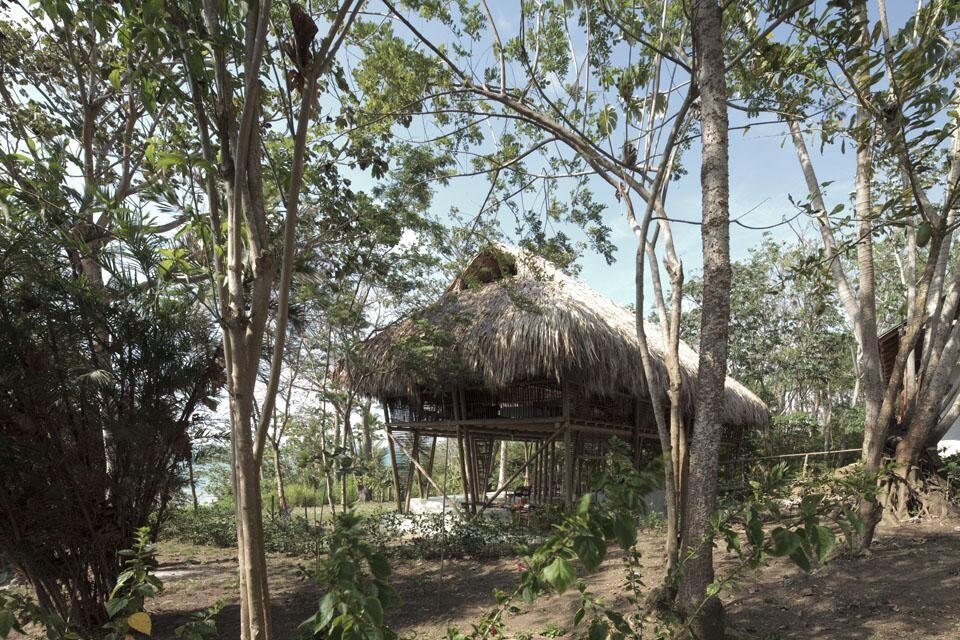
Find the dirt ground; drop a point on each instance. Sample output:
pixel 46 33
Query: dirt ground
pixel 906 588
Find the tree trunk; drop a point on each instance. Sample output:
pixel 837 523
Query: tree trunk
pixel 278 477
pixel 367 432
pixel 705 613
pixel 193 480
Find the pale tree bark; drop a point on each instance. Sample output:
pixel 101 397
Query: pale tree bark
pixel 705 613
pixel 249 271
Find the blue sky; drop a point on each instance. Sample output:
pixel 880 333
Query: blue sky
pixel 764 172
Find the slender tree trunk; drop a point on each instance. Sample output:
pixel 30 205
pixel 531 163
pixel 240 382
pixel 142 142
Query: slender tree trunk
pixel 193 480
pixel 278 477
pixel 367 432
pixel 705 613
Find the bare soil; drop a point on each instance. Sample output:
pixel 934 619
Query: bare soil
pixel 905 588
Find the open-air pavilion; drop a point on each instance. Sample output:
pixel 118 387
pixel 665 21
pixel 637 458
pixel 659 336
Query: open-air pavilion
pixel 516 350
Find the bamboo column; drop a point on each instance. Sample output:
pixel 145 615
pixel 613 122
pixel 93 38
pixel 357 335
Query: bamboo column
pixel 464 478
pixel 393 457
pixel 568 452
pixel 424 485
pixel 414 454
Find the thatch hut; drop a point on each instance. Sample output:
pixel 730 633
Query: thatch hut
pixel 517 350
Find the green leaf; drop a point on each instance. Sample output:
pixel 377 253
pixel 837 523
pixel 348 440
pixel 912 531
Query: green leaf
pixel 607 120
pixel 755 529
pixel 578 616
pixel 823 542
pixel 559 574
pixel 800 558
pixel 712 589
pixel 152 11
pixel 598 629
pixel 625 530
pixel 379 566
pixel 7 621
pixel 924 231
pixel 115 605
pixel 375 611
pixel 115 77
pixel 785 542
pixel 855 521
pixel 590 550
pixel 583 505
pixel 326 611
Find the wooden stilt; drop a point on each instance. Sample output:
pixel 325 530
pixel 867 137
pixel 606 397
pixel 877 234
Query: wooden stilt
pixel 464 478
pixel 424 486
pixel 398 494
pixel 442 491
pixel 552 482
pixel 538 476
pixel 568 457
pixel 471 470
pixel 500 490
pixel 411 469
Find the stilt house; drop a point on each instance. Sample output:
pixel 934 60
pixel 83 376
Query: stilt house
pixel 517 350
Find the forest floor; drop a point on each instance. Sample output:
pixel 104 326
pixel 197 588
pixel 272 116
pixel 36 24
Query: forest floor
pixel 906 587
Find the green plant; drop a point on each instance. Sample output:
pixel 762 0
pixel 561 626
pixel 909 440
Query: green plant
pixel 215 526
pixel 353 575
pixel 125 607
pixel 553 630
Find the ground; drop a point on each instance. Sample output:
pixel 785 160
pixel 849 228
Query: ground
pixel 905 588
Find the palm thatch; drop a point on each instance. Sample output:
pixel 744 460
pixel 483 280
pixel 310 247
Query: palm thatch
pixel 512 317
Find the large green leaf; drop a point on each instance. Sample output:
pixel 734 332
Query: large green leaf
pixel 590 550
pixel 823 541
pixel 784 542
pixel 559 574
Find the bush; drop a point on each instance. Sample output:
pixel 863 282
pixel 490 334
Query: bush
pixel 430 535
pixel 215 526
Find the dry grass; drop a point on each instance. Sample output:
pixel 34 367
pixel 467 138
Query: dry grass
pixel 512 316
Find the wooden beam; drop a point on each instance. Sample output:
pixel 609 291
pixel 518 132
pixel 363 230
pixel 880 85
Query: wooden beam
pixel 393 459
pixel 421 469
pixel 516 473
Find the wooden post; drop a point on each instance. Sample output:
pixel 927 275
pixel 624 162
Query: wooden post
pixel 568 452
pixel 424 486
pixel 516 473
pixel 393 457
pixel 551 462
pixel 464 479
pixel 457 416
pixel 428 477
pixel 538 475
pixel 636 433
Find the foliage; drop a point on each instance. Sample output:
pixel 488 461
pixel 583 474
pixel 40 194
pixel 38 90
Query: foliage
pixel 125 606
pixel 132 361
pixel 354 577
pixel 434 535
pixel 788 339
pixel 950 470
pixel 780 517
pixel 215 525
pixel 796 432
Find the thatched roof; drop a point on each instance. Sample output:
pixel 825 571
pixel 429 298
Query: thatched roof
pixel 512 316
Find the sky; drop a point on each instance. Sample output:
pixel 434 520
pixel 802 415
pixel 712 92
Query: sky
pixel 764 174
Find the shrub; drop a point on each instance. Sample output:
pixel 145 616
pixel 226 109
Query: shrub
pixel 215 526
